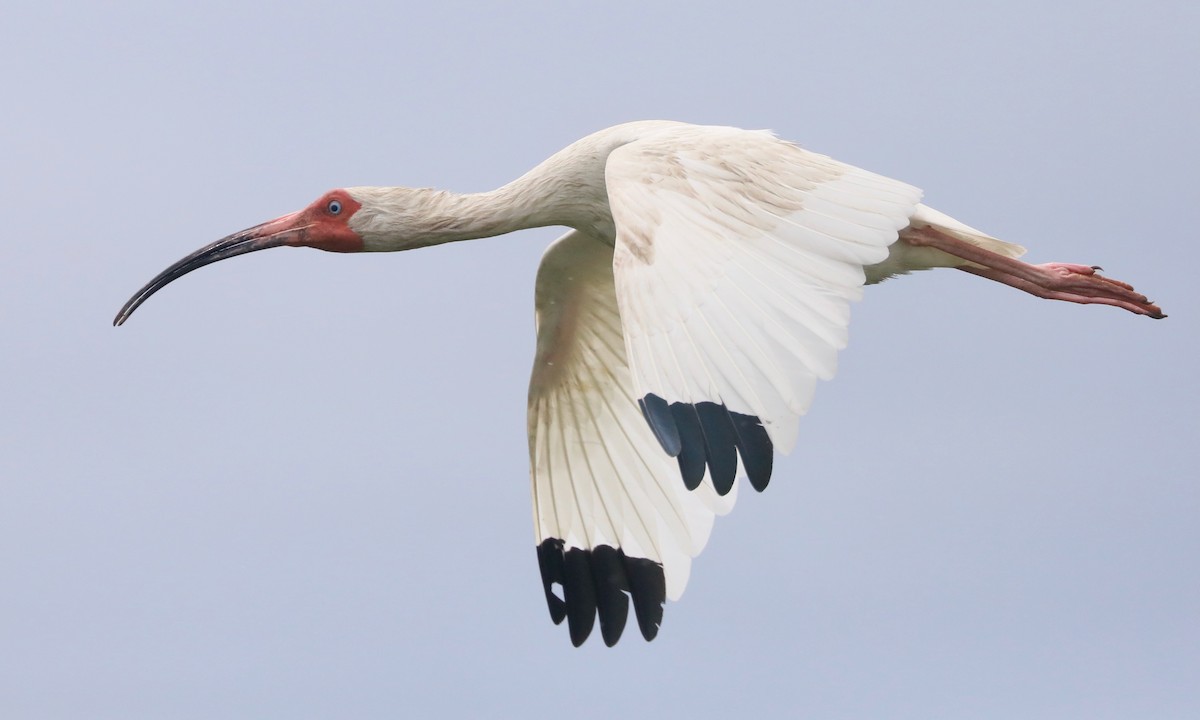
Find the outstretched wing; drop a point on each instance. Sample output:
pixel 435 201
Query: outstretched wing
pixel 612 520
pixel 737 255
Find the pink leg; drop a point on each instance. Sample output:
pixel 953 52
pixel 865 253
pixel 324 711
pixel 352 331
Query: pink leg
pixel 1054 281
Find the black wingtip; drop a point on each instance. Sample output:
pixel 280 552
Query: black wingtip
pixel 648 588
pixel 755 447
pixel 612 600
pixel 550 560
pixel 691 456
pixel 600 583
pixel 579 594
pixel 720 443
pixel 658 415
pixel 710 435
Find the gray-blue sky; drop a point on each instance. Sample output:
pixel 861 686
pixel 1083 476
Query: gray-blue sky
pixel 295 484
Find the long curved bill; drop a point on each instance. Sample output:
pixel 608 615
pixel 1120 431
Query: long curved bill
pixel 274 233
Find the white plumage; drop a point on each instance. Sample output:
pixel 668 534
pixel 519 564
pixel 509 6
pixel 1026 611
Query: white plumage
pixel 599 476
pixel 682 325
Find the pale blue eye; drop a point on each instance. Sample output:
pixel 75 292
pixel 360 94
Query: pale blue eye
pixel 335 207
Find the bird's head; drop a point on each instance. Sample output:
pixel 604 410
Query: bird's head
pixel 325 225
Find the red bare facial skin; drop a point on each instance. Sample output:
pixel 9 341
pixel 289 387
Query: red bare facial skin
pixel 324 225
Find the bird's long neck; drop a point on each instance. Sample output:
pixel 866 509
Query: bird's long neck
pixel 406 218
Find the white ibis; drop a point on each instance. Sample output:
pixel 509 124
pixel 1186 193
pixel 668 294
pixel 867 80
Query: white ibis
pixel 682 325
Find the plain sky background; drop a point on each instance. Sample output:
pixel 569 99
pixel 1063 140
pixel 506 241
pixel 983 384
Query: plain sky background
pixel 295 484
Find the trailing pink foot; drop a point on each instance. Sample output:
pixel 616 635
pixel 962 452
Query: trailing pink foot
pixel 1073 283
pixel 1071 268
pixel 1054 281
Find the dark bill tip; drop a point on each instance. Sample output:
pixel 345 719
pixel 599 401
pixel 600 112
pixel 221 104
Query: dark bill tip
pixel 250 240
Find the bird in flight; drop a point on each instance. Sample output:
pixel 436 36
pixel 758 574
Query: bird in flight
pixel 682 324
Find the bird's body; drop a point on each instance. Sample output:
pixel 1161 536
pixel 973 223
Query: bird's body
pixel 682 325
